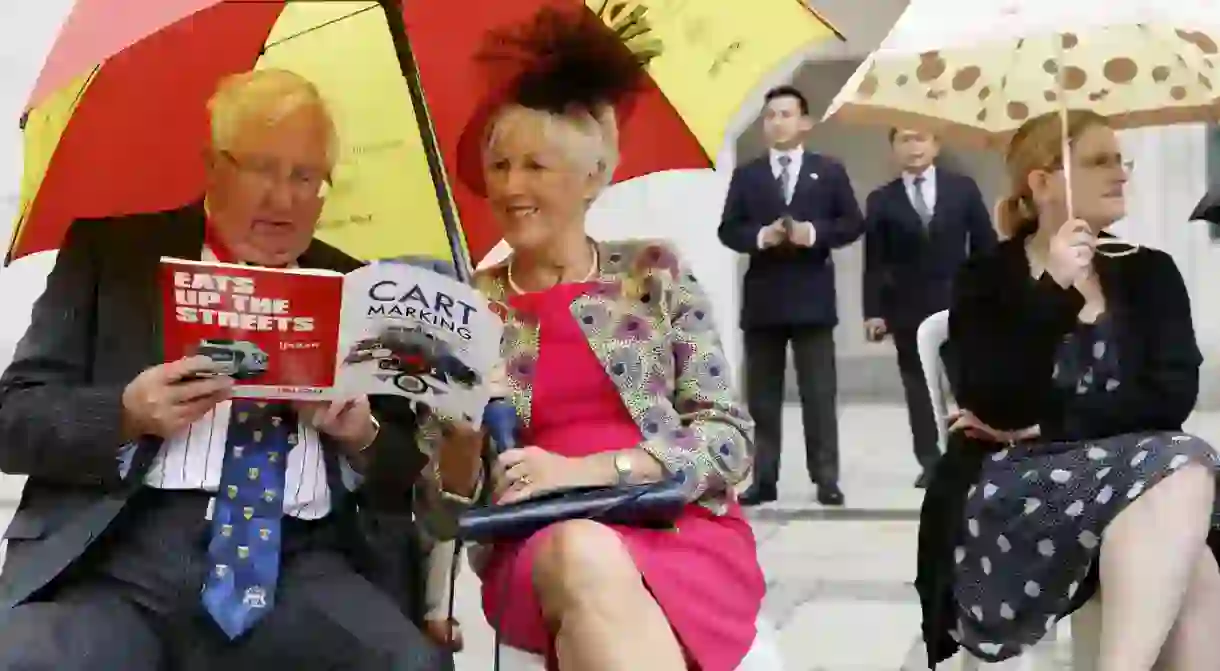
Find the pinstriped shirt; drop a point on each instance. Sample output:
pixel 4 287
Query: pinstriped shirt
pixel 191 460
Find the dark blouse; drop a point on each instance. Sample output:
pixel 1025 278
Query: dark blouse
pixel 1005 330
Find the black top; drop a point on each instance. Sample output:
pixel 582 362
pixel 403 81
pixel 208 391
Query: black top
pixel 1005 330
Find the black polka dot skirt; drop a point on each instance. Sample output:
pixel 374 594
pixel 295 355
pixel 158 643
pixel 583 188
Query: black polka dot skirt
pixel 1034 524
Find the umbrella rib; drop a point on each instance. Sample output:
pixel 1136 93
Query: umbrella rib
pixel 1186 66
pixel 1002 96
pixel 319 26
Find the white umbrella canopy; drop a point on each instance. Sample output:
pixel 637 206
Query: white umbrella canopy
pixel 975 71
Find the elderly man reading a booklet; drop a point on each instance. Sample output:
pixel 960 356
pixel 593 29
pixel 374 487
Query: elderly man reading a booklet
pixel 165 523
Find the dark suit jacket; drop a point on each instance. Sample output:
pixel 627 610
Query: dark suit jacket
pixel 909 267
pixel 95 327
pixel 1004 329
pixel 790 286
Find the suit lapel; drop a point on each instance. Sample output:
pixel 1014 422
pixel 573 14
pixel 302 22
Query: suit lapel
pixel 903 205
pixel 805 179
pixel 179 236
pixel 941 199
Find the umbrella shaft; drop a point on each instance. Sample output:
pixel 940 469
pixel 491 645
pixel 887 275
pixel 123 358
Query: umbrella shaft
pixel 427 133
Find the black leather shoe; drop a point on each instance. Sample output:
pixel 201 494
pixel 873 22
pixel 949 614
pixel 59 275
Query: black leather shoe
pixel 756 495
pixel 923 480
pixel 830 495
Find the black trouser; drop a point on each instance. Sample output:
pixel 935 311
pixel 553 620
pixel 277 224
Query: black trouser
pixel 919 400
pixel 813 349
pixel 133 603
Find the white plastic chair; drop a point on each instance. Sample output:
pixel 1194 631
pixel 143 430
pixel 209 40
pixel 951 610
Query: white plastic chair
pixel 764 655
pixel 1085 623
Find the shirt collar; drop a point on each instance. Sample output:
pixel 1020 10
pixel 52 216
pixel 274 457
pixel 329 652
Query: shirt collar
pixel 929 175
pixel 793 154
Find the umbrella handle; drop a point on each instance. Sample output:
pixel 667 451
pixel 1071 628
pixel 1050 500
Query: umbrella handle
pixel 1066 146
pixel 1125 248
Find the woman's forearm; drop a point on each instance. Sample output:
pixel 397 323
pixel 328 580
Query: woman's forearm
pixel 601 469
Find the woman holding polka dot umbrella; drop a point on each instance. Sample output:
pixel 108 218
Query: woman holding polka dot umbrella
pixel 1068 475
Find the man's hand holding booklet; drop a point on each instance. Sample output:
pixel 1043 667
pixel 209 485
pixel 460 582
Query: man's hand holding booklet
pixel 314 335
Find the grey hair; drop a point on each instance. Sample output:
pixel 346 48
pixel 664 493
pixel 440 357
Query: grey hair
pixel 267 96
pixel 589 140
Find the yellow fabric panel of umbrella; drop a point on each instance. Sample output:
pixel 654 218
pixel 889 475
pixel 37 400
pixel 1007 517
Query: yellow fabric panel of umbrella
pixel 1137 75
pixel 381 175
pixel 717 51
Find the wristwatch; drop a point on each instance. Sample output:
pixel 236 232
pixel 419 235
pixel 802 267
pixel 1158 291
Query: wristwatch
pixel 623 468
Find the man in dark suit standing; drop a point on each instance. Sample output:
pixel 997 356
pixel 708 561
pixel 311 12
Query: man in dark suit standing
pixel 126 551
pixel 787 211
pixel 920 228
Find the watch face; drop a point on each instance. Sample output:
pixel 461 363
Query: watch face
pixel 622 464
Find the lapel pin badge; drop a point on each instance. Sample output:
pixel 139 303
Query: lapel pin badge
pixel 813 175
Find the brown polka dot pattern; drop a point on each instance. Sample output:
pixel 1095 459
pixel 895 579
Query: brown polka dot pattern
pixel 966 77
pixel 1120 70
pixel 931 66
pixel 1114 71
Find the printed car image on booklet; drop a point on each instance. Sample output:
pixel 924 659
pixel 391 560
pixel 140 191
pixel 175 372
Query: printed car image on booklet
pixel 301 334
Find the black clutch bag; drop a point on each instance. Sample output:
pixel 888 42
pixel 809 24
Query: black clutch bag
pixel 652 505
pixel 655 504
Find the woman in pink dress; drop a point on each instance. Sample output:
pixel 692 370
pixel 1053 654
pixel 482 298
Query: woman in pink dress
pixel 618 376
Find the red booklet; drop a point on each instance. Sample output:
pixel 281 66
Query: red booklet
pixel 385 328
pixel 275 331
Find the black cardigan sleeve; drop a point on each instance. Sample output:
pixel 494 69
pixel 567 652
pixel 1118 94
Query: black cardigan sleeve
pixel 1158 391
pixel 1004 328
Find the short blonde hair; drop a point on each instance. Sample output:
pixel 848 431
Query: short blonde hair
pixel 267 96
pixel 589 139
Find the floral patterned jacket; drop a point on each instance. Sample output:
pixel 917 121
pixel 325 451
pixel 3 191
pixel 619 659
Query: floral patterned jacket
pixel 651 325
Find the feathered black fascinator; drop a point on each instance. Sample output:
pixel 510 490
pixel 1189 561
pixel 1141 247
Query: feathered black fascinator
pixel 575 58
pixel 566 59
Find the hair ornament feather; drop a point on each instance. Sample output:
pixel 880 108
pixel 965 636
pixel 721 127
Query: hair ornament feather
pixel 577 59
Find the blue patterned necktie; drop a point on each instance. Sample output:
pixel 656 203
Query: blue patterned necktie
pixel 244 550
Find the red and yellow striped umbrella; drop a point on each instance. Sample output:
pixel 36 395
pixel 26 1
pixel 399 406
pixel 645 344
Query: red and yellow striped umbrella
pixel 117 122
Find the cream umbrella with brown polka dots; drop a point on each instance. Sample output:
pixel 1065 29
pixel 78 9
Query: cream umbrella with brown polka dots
pixel 974 71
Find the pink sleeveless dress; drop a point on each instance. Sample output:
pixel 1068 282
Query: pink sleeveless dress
pixel 705 574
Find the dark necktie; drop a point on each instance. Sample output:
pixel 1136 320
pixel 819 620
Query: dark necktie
pixel 918 201
pixel 244 550
pixel 784 179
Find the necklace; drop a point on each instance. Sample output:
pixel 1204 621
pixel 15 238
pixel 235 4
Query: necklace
pixel 512 284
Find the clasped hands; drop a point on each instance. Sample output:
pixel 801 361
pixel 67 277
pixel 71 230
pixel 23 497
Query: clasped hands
pixel 165 399
pixel 799 233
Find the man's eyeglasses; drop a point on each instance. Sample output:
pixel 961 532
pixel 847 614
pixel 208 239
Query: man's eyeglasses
pixel 304 183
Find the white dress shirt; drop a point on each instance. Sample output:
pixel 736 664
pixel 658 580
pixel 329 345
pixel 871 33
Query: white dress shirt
pixel 927 188
pixel 796 157
pixel 192 460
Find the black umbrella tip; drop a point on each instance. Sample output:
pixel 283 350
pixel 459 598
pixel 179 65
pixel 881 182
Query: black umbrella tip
pixel 1208 208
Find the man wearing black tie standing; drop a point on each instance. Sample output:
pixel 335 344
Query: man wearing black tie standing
pixel 919 228
pixel 787 211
